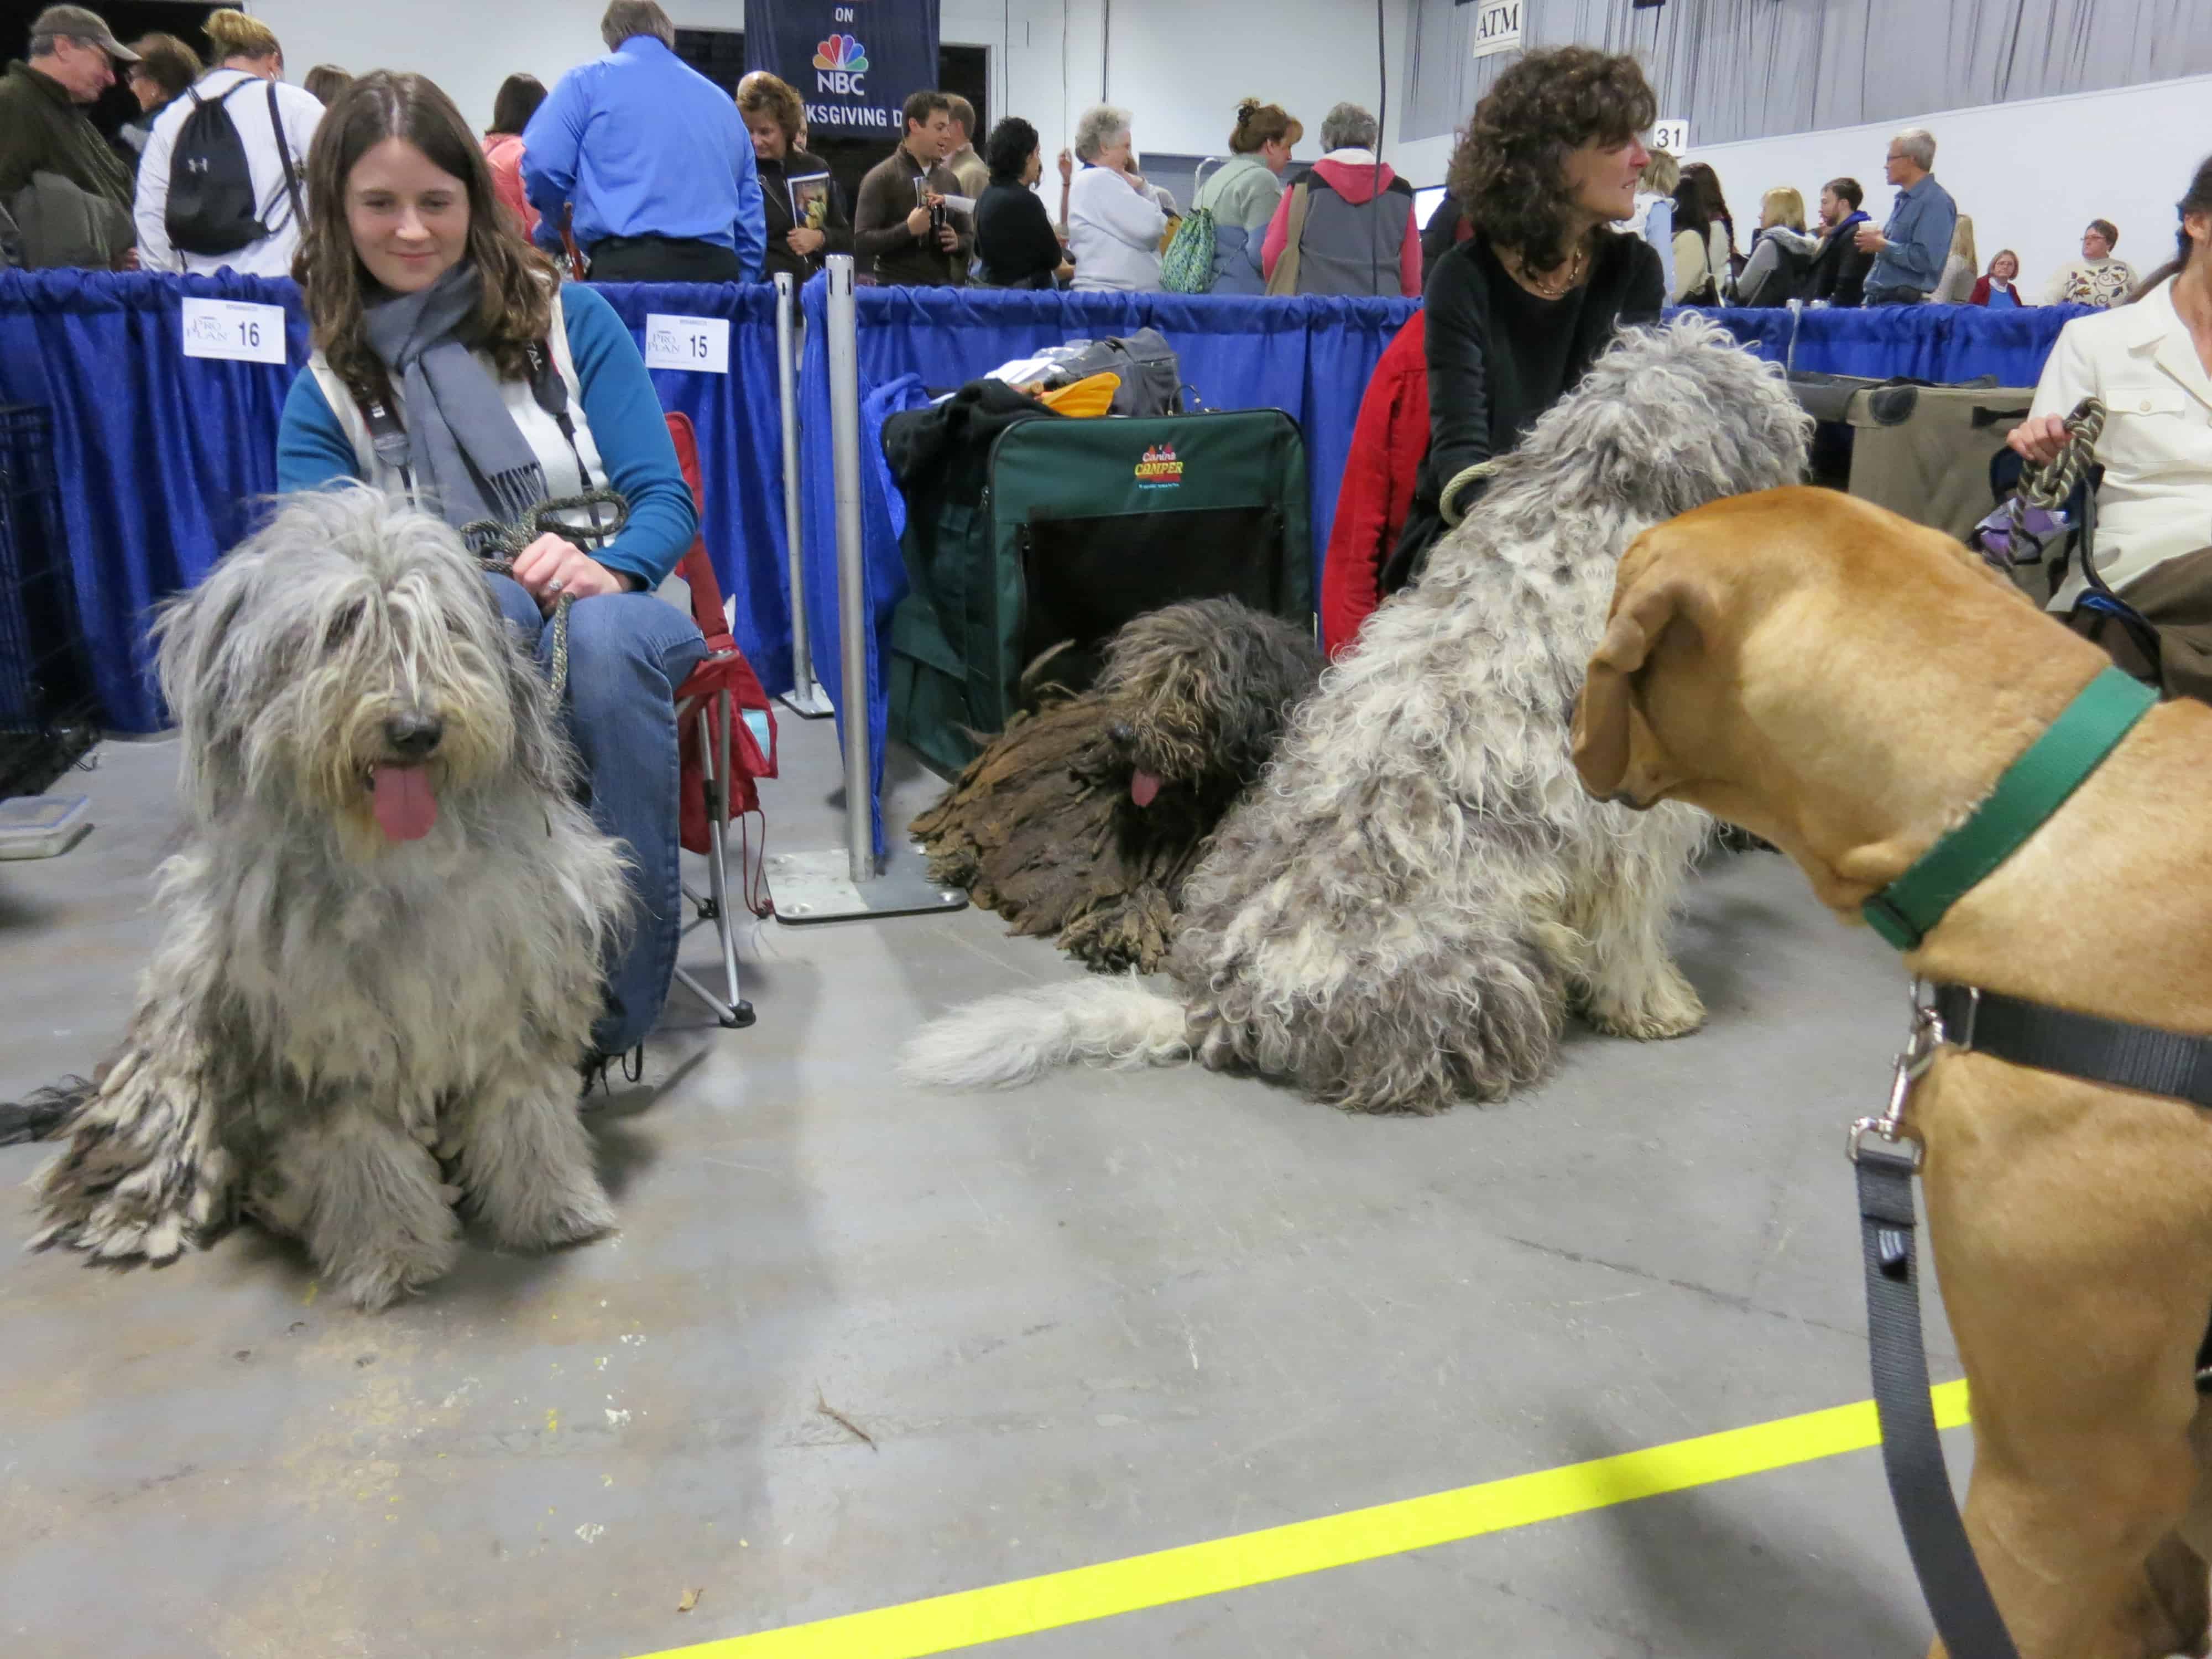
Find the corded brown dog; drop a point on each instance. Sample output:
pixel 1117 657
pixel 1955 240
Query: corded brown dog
pixel 1850 686
pixel 1083 819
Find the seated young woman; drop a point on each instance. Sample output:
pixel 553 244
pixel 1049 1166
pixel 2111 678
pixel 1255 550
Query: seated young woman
pixel 509 391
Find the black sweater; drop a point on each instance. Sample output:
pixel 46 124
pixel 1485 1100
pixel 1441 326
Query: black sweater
pixel 776 179
pixel 1499 356
pixel 1014 237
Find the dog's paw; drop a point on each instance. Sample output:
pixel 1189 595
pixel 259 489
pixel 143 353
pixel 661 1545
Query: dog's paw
pixel 1669 1007
pixel 579 1218
pixel 374 1278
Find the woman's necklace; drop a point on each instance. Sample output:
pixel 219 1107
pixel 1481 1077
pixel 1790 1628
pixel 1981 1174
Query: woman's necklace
pixel 1558 286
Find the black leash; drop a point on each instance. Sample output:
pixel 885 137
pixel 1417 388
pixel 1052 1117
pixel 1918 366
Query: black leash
pixel 1951 1580
pixel 1970 1020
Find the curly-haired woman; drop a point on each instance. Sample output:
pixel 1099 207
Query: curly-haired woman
pixel 503 390
pixel 1517 313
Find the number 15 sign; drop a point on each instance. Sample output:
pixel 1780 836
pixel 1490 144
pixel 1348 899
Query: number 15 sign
pixel 701 344
pixel 235 329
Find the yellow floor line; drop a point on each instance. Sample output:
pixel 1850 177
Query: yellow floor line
pixel 943 1623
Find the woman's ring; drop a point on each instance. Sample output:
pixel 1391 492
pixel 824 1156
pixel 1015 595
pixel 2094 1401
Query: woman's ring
pixel 555 585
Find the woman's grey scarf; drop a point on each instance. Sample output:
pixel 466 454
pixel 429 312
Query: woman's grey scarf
pixel 464 446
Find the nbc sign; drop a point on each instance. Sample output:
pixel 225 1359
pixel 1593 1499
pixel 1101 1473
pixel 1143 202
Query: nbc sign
pixel 839 63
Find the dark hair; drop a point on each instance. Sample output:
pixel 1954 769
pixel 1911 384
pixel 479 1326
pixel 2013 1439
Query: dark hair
pixel 762 94
pixel 919 107
pixel 169 63
pixel 625 20
pixel 516 101
pixel 1259 124
pixel 1847 190
pixel 1007 151
pixel 1509 172
pixel 326 81
pixel 2107 230
pixel 1694 204
pixel 2197 199
pixel 1716 208
pixel 518 282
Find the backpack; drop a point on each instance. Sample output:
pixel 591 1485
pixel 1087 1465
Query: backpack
pixel 1187 266
pixel 212 209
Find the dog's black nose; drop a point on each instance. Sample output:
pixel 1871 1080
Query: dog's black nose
pixel 413 736
pixel 1122 735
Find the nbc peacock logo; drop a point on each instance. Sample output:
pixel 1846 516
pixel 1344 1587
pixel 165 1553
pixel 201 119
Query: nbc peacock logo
pixel 842 52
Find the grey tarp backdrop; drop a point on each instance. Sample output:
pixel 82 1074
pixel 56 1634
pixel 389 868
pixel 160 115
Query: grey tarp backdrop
pixel 1751 69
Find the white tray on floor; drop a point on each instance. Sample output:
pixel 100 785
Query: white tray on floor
pixel 43 826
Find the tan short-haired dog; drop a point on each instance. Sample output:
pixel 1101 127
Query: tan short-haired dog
pixel 1850 686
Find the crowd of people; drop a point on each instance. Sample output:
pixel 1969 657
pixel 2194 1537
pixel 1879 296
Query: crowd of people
pixel 634 167
pixel 1923 254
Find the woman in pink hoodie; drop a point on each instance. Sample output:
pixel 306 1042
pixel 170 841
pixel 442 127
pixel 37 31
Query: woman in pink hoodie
pixel 1356 234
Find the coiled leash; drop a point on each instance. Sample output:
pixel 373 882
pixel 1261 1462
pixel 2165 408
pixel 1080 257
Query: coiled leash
pixel 2020 532
pixel 498 544
pixel 1967 1019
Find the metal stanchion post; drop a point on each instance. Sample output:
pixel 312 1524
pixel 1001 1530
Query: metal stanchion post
pixel 827 886
pixel 806 698
pixel 851 631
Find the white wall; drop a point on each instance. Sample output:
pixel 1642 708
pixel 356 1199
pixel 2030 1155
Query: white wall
pixel 467 47
pixel 2030 174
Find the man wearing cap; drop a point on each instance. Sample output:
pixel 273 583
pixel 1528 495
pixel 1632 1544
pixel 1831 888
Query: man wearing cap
pixel 43 126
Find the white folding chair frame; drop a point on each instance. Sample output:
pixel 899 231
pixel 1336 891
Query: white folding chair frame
pixel 731 1010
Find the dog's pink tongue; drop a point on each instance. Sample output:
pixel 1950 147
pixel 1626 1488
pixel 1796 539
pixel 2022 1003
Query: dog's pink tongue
pixel 1143 787
pixel 406 808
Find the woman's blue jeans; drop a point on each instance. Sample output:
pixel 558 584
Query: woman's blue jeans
pixel 627 654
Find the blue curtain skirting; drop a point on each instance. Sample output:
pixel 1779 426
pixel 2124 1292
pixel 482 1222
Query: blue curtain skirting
pixel 166 461
pixel 1948 344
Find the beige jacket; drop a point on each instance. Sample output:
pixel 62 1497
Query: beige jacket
pixel 2156 498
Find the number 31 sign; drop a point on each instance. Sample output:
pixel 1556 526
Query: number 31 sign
pixel 235 328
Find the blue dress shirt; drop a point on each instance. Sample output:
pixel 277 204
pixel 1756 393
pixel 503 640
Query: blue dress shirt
pixel 1920 221
pixel 644 145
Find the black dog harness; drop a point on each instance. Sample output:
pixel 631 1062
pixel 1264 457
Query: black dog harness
pixel 1970 1019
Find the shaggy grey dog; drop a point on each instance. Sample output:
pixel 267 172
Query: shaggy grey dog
pixel 385 926
pixel 1402 913
pixel 1085 818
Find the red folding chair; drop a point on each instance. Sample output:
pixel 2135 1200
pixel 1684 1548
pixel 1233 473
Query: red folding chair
pixel 722 758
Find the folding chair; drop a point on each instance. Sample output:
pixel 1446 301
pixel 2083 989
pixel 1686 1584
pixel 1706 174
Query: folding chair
pixel 720 756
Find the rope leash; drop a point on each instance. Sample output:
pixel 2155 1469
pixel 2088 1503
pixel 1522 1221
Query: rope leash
pixel 2048 487
pixel 2018 533
pixel 499 544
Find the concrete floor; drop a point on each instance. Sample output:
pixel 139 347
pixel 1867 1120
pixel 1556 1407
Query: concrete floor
pixel 1101 1316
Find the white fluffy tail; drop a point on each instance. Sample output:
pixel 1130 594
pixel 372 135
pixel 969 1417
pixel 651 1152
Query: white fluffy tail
pixel 1002 1043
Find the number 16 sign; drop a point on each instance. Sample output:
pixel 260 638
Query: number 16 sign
pixel 235 329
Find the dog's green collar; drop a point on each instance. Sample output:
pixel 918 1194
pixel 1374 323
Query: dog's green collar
pixel 2033 787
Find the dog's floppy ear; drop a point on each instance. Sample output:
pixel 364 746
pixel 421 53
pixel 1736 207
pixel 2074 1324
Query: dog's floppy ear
pixel 1617 755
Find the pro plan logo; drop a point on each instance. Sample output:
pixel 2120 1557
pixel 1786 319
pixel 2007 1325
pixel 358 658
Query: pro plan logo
pixel 1159 469
pixel 839 62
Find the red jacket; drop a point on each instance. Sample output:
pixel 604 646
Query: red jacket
pixel 1388 445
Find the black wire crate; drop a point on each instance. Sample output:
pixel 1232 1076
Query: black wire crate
pixel 50 713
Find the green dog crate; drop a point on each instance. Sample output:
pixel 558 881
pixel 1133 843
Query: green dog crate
pixel 1080 526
